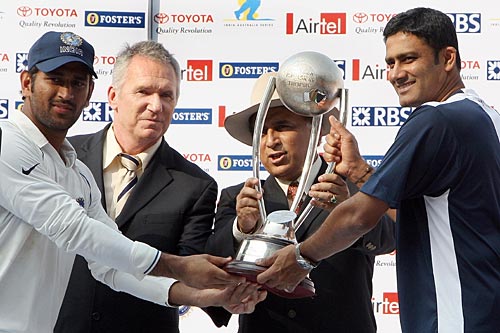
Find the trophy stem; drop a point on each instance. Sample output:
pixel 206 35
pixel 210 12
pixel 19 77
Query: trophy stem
pixel 257 135
pixel 343 114
pixel 311 154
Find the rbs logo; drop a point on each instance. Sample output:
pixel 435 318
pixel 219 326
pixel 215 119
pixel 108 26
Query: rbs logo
pixel 380 115
pixel 341 66
pixel 98 111
pixel 466 22
pixel 4 108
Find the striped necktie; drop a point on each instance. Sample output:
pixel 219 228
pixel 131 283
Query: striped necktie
pixel 130 164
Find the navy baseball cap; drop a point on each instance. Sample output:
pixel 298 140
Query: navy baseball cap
pixel 55 49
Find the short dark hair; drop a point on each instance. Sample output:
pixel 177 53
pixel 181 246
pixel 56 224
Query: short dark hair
pixel 431 25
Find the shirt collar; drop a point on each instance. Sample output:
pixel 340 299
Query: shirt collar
pixel 315 167
pixel 31 131
pixel 112 148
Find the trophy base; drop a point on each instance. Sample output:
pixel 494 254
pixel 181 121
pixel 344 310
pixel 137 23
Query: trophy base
pixel 250 271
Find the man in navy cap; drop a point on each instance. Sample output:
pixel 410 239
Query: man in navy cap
pixel 50 208
pixel 55 49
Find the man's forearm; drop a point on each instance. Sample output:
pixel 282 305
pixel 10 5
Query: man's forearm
pixel 345 224
pixel 180 294
pixel 166 266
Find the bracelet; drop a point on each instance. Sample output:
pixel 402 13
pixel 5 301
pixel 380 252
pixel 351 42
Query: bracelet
pixel 368 170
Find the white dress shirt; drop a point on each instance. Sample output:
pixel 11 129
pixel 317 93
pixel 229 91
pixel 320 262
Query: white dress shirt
pixel 50 210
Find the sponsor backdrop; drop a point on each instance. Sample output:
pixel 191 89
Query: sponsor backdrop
pixel 222 47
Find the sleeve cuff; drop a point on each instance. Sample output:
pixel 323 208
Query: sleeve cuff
pixel 237 234
pixel 154 263
pixel 167 304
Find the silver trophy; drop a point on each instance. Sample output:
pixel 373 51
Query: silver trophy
pixel 309 84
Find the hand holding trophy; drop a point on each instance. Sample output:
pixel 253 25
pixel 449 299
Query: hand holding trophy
pixel 309 84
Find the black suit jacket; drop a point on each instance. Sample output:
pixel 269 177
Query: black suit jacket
pixel 343 282
pixel 171 208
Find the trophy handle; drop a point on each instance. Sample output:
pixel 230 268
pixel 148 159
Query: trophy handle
pixel 343 113
pixel 308 162
pixel 257 136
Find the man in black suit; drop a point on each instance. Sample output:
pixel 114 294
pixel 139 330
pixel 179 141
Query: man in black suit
pixel 343 282
pixel 170 207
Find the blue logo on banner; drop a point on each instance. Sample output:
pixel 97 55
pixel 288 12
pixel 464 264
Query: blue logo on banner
pixel 21 62
pixel 19 105
pixel 466 22
pixel 493 70
pixel 114 19
pixel 98 111
pixel 4 108
pixel 341 65
pixel 192 116
pixel 380 115
pixel 235 163
pixel 245 70
pixel 373 160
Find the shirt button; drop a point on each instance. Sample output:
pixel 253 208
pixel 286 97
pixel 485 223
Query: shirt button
pixel 96 316
pixel 370 246
pixel 292 314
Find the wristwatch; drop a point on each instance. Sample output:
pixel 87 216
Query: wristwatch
pixel 303 262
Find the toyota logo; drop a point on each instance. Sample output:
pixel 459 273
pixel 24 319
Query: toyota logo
pixel 360 17
pixel 24 11
pixel 161 18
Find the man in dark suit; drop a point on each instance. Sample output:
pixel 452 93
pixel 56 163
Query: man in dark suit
pixel 170 205
pixel 343 282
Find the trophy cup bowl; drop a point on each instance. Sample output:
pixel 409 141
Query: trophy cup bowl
pixel 309 84
pixel 277 233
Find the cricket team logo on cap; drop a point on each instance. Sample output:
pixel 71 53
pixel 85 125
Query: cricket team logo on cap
pixel 72 41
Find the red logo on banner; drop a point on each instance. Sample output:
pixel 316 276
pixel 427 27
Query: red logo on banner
pixel 197 157
pixel 161 18
pixel 390 303
pixel 360 17
pixel 329 24
pixel 222 115
pixel 369 72
pixel 198 70
pixel 24 11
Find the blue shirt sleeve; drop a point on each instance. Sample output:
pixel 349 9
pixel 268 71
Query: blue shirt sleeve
pixel 419 162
